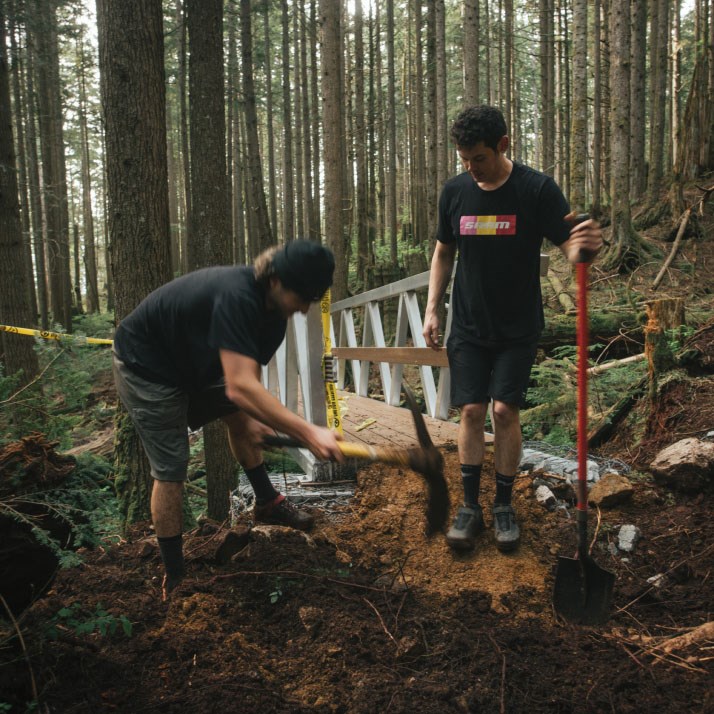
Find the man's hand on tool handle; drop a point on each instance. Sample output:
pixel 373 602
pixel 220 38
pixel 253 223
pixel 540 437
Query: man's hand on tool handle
pixel 323 443
pixel 585 239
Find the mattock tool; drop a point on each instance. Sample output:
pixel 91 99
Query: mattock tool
pixel 426 460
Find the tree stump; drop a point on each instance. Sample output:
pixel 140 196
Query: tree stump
pixel 662 315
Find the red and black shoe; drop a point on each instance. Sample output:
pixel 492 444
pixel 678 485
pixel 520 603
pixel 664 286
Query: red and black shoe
pixel 282 512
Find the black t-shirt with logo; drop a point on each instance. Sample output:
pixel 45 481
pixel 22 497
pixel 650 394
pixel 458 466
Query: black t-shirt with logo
pixel 174 335
pixel 496 294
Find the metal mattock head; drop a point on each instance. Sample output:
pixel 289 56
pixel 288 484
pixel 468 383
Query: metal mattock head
pixel 419 423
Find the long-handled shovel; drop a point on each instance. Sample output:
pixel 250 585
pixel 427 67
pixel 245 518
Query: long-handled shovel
pixel 583 589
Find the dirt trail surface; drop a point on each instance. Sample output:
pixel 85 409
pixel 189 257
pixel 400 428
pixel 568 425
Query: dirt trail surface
pixel 367 615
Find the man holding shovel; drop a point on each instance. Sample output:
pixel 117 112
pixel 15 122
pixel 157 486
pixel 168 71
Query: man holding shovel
pixel 191 352
pixel 496 214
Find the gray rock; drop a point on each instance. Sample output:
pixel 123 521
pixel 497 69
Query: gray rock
pixel 627 538
pixel 546 497
pixel 687 465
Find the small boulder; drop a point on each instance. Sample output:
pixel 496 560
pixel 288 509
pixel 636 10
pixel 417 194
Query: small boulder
pixel 610 491
pixel 687 465
pixel 545 497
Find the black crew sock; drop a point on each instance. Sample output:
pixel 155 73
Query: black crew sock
pixel 471 478
pixel 171 549
pixel 504 489
pixel 260 482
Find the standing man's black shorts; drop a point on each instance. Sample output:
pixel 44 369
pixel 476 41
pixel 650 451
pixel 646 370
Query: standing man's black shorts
pixel 480 373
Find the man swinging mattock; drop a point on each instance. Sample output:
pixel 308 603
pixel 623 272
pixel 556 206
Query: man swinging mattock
pixel 496 214
pixel 191 353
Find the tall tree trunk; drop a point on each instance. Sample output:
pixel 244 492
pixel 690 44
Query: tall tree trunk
pixel 391 122
pixel 90 256
pixel 676 85
pixel 579 124
pixel 309 229
pixel 18 354
pixel 472 90
pixel 638 82
pixel 287 164
pixel 315 121
pixel 261 234
pixel 419 215
pixel 298 92
pixel 131 62
pixel 507 20
pixel 53 161
pixel 442 128
pixel 377 146
pixel 183 128
pixel 360 152
pixel 18 103
pixel 597 111
pixel 547 94
pixel 269 111
pixel 38 237
pixel 78 309
pixel 431 181
pixel 334 144
pixel 623 253
pixel 208 235
pixel 236 154
pixel 659 36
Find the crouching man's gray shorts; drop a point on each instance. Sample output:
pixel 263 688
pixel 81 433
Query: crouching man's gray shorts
pixel 162 416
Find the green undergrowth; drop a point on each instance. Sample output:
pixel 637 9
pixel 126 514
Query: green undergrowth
pixel 58 400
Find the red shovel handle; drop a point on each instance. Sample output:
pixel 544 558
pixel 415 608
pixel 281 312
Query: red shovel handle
pixel 582 337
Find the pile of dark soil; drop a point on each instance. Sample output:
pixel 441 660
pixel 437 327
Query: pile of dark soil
pixel 368 615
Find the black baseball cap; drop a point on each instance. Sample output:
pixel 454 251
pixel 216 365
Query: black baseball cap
pixel 306 267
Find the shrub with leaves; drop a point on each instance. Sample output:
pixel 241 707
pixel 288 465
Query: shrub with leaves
pixel 81 620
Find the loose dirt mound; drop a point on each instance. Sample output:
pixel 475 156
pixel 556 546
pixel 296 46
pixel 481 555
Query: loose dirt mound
pixel 367 615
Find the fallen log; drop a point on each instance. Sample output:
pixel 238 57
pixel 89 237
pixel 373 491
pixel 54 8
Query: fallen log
pixel 699 636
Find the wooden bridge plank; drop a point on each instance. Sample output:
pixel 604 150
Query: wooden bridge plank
pixel 393 426
pixel 395 355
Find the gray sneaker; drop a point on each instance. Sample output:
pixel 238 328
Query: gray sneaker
pixel 507 532
pixel 466 526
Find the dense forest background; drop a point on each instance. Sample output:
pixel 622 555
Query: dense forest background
pixel 330 120
pixel 143 139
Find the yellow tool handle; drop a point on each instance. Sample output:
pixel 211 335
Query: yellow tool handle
pixel 384 454
pixel 351 450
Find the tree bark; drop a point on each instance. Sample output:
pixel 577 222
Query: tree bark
pixel 334 143
pixel 53 162
pixel 472 89
pixel 208 239
pixel 287 163
pixel 360 151
pixel 19 356
pixel 579 123
pixel 131 62
pixel 90 255
pixel 261 234
pixel 638 82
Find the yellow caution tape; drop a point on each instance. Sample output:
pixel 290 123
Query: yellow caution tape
pixel 334 420
pixel 59 336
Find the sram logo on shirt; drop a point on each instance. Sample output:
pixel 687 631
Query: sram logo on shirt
pixel 488 225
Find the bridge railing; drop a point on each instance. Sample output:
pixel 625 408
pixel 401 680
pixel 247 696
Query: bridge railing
pixel 358 337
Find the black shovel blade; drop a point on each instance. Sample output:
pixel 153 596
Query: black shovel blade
pixel 582 591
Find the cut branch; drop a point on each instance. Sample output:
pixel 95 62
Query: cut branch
pixel 680 234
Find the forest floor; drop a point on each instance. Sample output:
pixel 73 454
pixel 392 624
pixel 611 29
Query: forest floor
pixel 367 614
